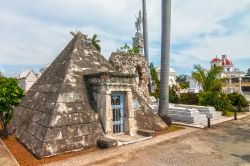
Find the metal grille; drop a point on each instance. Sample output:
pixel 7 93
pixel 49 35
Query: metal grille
pixel 118 112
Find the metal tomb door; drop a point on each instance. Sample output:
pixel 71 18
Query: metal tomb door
pixel 117 101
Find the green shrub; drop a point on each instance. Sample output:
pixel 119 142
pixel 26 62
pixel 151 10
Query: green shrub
pixel 189 98
pixel 238 101
pixel 218 100
pixel 184 85
pixel 173 96
pixel 10 95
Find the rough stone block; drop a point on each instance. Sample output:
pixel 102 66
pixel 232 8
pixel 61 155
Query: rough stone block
pixel 106 142
pixel 146 133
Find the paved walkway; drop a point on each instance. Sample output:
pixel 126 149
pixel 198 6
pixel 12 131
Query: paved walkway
pixel 6 159
pixel 99 156
pixel 226 144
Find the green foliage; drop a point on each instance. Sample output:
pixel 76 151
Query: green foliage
pixel 208 78
pixel 156 92
pixel 182 78
pixel 154 75
pixel 189 98
pixel 127 49
pixel 95 42
pixel 155 81
pixel 173 96
pixel 218 100
pixel 238 101
pixel 183 81
pixel 184 85
pixel 10 95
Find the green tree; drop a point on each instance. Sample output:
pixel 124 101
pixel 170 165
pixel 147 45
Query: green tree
pixel 238 101
pixel 208 79
pixel 154 75
pixel 184 85
pixel 10 95
pixel 127 49
pixel 155 81
pixel 95 42
pixel 189 98
pixel 182 78
pixel 183 81
pixel 173 96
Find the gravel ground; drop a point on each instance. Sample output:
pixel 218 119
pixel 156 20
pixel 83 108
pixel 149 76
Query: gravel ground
pixel 225 144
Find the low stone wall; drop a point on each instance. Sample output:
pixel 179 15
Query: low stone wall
pixel 210 112
pixel 187 115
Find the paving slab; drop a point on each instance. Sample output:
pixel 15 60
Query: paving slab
pixel 225 144
pixel 6 158
pixel 98 156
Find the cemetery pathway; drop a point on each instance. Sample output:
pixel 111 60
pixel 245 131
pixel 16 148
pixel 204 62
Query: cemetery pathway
pixel 6 159
pixel 225 144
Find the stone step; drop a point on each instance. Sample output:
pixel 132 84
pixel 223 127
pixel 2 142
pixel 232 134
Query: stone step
pixel 146 133
pixel 106 142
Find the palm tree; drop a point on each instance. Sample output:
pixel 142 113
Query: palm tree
pixel 73 33
pixel 95 42
pixel 165 51
pixel 208 79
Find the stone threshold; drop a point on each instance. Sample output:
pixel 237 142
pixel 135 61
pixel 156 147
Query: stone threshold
pixel 124 139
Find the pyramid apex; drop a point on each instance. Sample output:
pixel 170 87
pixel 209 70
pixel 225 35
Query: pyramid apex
pixel 80 34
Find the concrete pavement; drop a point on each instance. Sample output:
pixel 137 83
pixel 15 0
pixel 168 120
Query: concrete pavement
pixel 6 158
pixel 101 155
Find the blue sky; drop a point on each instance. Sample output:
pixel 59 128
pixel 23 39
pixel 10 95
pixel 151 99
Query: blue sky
pixel 33 32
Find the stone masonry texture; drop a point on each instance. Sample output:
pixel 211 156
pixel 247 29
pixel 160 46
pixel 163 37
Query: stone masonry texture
pixel 57 114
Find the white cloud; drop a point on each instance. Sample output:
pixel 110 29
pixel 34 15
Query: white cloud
pixel 34 32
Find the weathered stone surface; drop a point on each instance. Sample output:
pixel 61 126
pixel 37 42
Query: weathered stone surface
pixel 133 64
pixel 56 115
pixel 146 133
pixel 145 117
pixel 106 142
pixel 187 115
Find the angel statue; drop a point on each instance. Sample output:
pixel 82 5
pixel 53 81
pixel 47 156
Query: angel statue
pixel 138 22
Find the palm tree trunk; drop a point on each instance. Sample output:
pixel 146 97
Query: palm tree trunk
pixel 165 51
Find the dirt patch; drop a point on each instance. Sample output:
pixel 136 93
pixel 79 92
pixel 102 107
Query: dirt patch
pixel 169 129
pixel 24 157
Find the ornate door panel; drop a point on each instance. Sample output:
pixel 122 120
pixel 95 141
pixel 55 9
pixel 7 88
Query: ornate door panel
pixel 117 101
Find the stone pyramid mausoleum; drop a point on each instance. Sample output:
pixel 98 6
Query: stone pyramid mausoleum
pixel 78 99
